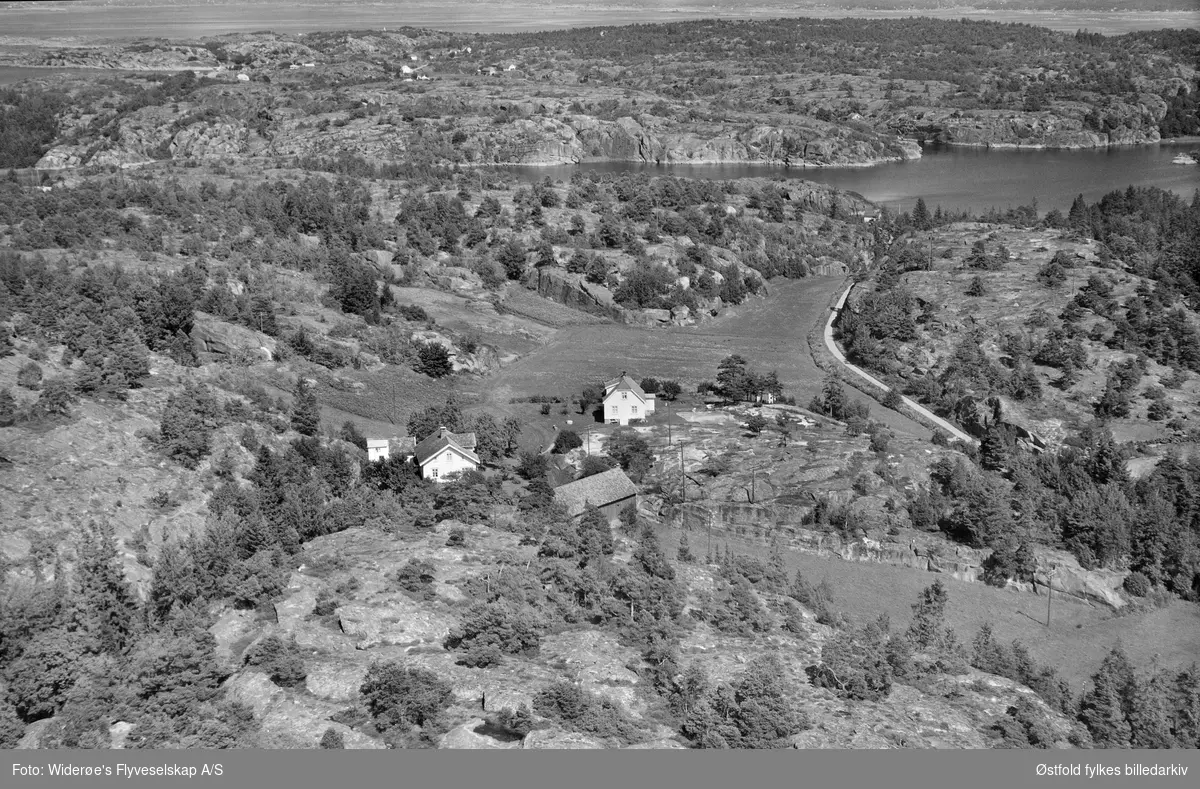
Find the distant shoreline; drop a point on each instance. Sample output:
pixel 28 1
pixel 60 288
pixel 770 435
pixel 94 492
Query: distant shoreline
pixel 82 23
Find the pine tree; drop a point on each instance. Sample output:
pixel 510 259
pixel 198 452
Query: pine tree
pixel 1185 708
pixel 306 413
pixel 1104 709
pixel 920 215
pixel 173 581
pixel 1150 716
pixel 684 553
pixel 332 739
pixel 105 606
pixel 993 454
pixel 595 536
pixel 929 617
pixel 1079 219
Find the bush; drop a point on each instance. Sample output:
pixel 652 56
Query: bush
pixel 565 441
pixel 433 359
pixel 278 659
pixel 578 710
pixel 490 630
pixel 332 739
pixel 30 375
pixel 532 465
pixel 756 423
pixel 417 579
pixel 457 538
pixel 397 694
pixel 1137 584
pixel 855 664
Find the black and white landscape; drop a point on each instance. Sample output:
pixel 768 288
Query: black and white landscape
pixel 644 375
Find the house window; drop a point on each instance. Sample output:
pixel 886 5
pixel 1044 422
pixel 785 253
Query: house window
pixel 624 395
pixel 634 409
pixel 435 473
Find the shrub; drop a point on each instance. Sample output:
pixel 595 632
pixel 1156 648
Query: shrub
pixel 855 664
pixel 490 630
pixel 519 721
pixel 332 739
pixel 457 538
pixel 397 694
pixel 532 465
pixel 578 710
pixel 30 375
pixel 417 579
pixel 756 423
pixel 433 359
pixel 565 441
pixel 278 659
pixel 1137 584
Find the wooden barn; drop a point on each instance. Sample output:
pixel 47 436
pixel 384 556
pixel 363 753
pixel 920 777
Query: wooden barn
pixel 610 490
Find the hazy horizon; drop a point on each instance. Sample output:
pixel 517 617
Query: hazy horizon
pixel 86 20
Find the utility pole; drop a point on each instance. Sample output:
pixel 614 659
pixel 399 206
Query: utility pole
pixel 753 473
pixel 1049 593
pixel 668 423
pixel 682 477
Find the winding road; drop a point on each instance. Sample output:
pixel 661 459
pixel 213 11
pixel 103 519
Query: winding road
pixel 917 407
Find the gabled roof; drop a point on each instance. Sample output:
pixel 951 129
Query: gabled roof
pixel 623 383
pixel 401 446
pixel 598 490
pixel 442 439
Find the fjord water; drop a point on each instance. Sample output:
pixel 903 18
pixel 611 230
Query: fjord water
pixel 963 178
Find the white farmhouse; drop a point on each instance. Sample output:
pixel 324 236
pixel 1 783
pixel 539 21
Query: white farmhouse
pixel 384 448
pixel 444 455
pixel 625 402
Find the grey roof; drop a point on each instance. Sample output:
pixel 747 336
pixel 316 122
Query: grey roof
pixel 598 490
pixel 397 446
pixel 623 383
pixel 433 444
pixel 402 446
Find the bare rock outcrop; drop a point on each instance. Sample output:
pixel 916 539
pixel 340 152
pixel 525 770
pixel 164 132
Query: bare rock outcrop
pixel 213 335
pixel 573 291
pixel 1128 123
pixel 466 737
pixel 556 739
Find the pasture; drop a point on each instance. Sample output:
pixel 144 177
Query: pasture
pixel 1079 636
pixel 769 332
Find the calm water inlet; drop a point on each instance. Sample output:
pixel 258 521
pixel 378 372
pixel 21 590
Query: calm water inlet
pixel 965 178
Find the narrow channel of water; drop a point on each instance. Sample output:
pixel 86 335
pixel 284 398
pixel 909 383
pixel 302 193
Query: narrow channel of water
pixel 963 178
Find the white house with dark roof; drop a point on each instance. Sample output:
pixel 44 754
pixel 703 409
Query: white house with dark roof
pixel 611 491
pixel 384 448
pixel 444 455
pixel 625 401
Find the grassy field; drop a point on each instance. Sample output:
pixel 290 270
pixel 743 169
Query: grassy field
pixel 1076 642
pixel 769 332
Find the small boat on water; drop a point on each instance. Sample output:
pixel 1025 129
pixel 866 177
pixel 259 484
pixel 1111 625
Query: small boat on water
pixel 1185 158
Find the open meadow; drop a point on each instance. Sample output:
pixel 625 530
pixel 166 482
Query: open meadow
pixel 769 332
pixel 1079 636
